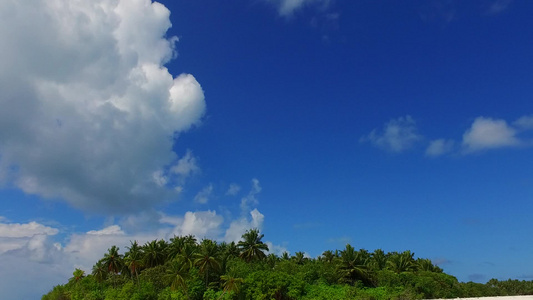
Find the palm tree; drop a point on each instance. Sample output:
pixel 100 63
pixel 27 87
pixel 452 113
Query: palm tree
pixel 186 256
pixel 154 254
pixel 299 258
pixel 231 284
pixel 100 271
pixel 402 262
pixel 353 265
pixel 251 246
pixel 190 239
pixel 271 260
pixel 175 246
pixel 163 247
pixel 425 264
pixel 232 250
pixel 328 256
pixel 378 259
pixel 177 275
pixel 78 274
pixel 285 256
pixel 113 261
pixel 206 259
pixel 134 259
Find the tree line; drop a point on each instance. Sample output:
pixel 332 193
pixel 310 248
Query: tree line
pixel 185 268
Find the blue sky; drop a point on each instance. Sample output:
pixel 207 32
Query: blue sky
pixel 376 123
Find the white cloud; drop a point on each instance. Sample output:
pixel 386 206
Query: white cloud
pixel 88 109
pixel 288 7
pixel 18 269
pixel 524 123
pixel 251 199
pixel 202 224
pixel 488 133
pixel 15 236
pixel 186 166
pixel 238 227
pixel 204 195
pixel 27 254
pixel 110 230
pixel 397 135
pixel 276 249
pixel 439 147
pixel 144 221
pixel 233 189
pixel 18 230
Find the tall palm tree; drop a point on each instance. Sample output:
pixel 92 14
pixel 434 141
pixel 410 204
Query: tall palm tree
pixel 190 239
pixel 271 260
pixel 78 275
pixel 163 247
pixel 175 246
pixel 186 256
pixel 378 259
pixel 154 254
pixel 206 259
pixel 328 256
pixel 177 275
pixel 299 258
pixel 113 261
pixel 353 265
pixel 134 259
pixel 232 250
pixel 402 262
pixel 251 246
pixel 231 284
pixel 100 271
pixel 425 264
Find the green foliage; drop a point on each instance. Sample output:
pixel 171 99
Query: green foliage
pixel 325 291
pixel 59 292
pixel 511 287
pixel 273 285
pixel 168 294
pixel 155 276
pixel 188 270
pixel 436 285
pixel 211 294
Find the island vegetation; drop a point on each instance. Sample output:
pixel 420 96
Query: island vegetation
pixel 185 268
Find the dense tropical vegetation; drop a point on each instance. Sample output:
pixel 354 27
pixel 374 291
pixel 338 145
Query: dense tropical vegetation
pixel 184 268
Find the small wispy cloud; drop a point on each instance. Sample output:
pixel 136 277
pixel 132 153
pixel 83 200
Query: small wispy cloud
pixel 204 195
pixel 186 166
pixel 251 199
pixel 287 8
pixel 233 189
pixel 439 147
pixel 488 133
pixel 485 133
pixel 340 240
pixel 524 123
pixel 498 6
pixel 397 135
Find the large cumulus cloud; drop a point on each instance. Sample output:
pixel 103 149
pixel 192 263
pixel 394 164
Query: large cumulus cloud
pixel 88 109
